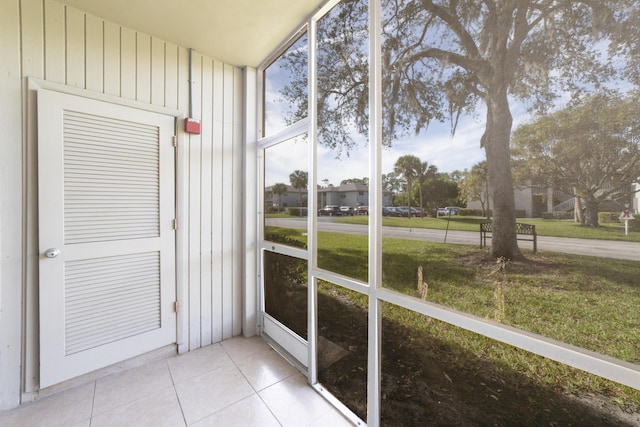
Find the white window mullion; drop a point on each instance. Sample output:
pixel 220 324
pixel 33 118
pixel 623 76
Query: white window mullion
pixel 375 216
pixel 312 203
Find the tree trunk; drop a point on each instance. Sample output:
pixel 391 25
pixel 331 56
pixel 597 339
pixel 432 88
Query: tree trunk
pixel 487 198
pixel 591 213
pixel 421 204
pixel 579 217
pixel 495 140
pixel 578 208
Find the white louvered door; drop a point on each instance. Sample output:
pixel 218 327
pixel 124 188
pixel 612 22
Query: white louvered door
pixel 106 203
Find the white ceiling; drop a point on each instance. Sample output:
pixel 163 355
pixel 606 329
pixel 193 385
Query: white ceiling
pixel 238 32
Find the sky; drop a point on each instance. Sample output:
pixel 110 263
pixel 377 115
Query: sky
pixel 435 146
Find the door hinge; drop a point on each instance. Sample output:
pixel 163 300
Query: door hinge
pixel 176 306
pixel 175 223
pixel 174 139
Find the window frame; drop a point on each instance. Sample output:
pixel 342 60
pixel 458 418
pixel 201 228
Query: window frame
pixel 595 363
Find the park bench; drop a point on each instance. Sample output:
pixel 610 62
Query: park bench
pixel 521 230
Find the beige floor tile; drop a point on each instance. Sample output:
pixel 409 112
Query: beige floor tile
pixel 332 418
pixel 239 347
pixel 249 412
pixel 158 409
pixel 198 362
pixel 62 409
pixel 128 386
pixel 35 417
pixel 205 387
pixel 293 402
pixel 265 369
pixel 207 394
pixel 78 395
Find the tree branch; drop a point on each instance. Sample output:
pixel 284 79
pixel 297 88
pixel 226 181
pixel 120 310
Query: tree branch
pixel 469 64
pixel 455 24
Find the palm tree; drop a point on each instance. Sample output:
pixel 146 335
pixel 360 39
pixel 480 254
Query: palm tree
pixel 425 172
pixel 299 180
pixel 408 166
pixel 279 188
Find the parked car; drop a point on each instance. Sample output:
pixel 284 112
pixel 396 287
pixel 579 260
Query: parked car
pixel 448 211
pixel 391 211
pixel 453 209
pixel 415 212
pixel 387 211
pixel 329 210
pixel 403 211
pixel 347 210
pixel 362 210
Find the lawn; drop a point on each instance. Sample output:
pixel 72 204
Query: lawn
pixel 588 302
pixel 544 227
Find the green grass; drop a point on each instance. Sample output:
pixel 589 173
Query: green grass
pixel 280 215
pixel 544 227
pixel 584 301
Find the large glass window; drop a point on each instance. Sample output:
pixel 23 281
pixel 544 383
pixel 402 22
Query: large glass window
pixel 342 345
pixel 442 375
pixel 285 191
pixel 536 156
pixel 343 159
pixel 508 167
pixel 285 291
pixel 285 87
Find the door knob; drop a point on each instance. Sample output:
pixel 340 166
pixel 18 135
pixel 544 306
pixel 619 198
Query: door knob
pixel 52 252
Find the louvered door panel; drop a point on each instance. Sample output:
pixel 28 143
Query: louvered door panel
pixel 111 179
pixel 111 298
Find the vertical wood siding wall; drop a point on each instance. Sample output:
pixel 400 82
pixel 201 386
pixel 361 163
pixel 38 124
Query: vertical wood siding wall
pixel 64 45
pixel 11 206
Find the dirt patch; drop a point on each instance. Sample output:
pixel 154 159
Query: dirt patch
pixel 534 264
pixel 329 352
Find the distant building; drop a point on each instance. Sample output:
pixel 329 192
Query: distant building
pixel 353 195
pixel 291 199
pixel 535 200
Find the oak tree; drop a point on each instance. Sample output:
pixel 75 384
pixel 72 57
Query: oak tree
pixel 444 58
pixel 590 150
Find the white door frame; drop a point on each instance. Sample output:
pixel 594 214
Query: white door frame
pixel 30 348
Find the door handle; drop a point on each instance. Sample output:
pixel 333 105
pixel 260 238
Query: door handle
pixel 52 252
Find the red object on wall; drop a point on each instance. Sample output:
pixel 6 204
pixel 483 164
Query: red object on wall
pixel 192 125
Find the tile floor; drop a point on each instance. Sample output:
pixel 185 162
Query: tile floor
pixel 239 382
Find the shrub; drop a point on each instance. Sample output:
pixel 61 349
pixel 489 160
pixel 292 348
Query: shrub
pixel 471 212
pixel 557 215
pixel 293 211
pixel 609 217
pixel 285 240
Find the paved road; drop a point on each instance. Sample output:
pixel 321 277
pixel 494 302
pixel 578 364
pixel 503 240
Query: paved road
pixel 589 247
